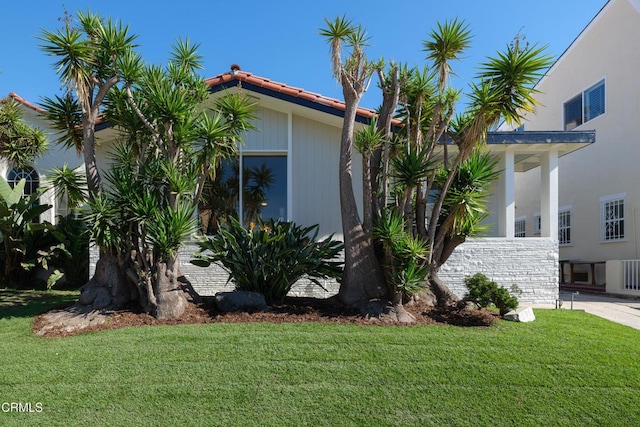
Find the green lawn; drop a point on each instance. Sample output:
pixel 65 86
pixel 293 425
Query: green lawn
pixel 566 368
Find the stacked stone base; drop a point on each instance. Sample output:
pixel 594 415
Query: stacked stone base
pixel 531 264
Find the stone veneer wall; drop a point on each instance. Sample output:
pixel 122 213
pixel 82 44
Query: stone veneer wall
pixel 208 281
pixel 530 263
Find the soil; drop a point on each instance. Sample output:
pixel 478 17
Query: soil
pixel 293 310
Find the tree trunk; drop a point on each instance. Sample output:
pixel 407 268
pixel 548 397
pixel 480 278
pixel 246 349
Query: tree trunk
pixel 362 278
pixel 171 301
pixel 442 292
pixel 94 181
pixel 108 288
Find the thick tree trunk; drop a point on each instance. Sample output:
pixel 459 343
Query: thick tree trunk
pixel 442 292
pixel 362 278
pixel 108 288
pixel 171 300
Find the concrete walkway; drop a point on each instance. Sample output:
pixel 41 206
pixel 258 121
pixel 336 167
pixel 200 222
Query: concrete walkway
pixel 619 310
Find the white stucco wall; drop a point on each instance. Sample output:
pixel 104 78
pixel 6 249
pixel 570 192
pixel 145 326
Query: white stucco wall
pixel 56 156
pixel 607 50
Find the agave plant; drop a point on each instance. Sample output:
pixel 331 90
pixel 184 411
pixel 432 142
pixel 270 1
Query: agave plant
pixel 269 257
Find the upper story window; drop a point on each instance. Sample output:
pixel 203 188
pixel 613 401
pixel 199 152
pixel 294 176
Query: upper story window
pixel 612 217
pixel 584 107
pixel 32 180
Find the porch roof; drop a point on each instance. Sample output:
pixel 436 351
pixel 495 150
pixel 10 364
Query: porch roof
pixel 528 146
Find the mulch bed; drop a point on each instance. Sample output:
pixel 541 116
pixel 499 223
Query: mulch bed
pixel 293 310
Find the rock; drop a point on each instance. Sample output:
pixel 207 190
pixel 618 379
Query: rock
pixel 240 301
pixel 70 320
pixel 524 314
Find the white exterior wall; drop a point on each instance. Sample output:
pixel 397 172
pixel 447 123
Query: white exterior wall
pixel 316 193
pixel 56 156
pixel 607 49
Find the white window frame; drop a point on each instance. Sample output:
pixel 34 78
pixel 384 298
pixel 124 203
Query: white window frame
pixel 564 225
pixel 584 104
pixel 605 202
pixel 29 174
pixel 520 227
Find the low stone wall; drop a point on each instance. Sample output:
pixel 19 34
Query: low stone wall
pixel 530 263
pixel 208 281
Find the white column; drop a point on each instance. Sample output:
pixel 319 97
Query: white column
pixel 549 195
pixel 507 213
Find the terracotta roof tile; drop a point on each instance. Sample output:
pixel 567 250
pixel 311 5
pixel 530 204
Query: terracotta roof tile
pixel 262 82
pixel 268 84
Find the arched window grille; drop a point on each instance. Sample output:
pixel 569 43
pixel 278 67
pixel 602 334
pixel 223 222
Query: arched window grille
pixel 29 175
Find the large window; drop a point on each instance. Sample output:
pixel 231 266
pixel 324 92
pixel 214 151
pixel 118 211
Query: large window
pixel 264 192
pixel 612 217
pixel 263 195
pixel 32 180
pixel 584 107
pixel 564 226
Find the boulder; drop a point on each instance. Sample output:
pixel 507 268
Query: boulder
pixel 524 314
pixel 240 301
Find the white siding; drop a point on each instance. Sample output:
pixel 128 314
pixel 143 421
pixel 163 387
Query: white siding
pixel 316 197
pixel 271 132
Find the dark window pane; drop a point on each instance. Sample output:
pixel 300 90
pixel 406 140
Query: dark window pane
pixel 594 101
pixel 265 188
pixel 573 113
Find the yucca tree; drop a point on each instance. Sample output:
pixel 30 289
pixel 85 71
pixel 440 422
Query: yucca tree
pixel 88 55
pixel 69 184
pixel 169 141
pixel 169 146
pixel 503 91
pixel 20 143
pixel 362 278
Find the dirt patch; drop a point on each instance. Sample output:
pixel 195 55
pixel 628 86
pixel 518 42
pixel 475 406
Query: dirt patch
pixel 293 310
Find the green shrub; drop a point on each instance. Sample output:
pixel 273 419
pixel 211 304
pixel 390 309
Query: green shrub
pixel 484 292
pixel 270 257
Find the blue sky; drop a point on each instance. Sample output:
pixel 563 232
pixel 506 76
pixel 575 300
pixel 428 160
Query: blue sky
pixel 278 39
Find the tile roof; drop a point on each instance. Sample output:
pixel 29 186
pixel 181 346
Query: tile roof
pixel 264 85
pixel 284 91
